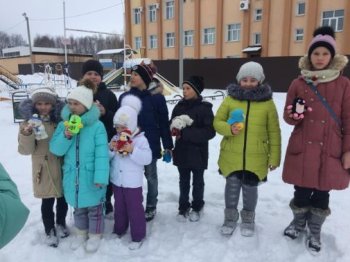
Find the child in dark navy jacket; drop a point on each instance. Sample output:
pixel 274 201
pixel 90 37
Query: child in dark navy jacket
pixel 153 119
pixel 191 145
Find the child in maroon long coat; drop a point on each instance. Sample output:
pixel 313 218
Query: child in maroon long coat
pixel 316 159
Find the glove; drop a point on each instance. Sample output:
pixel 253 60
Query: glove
pixel 167 156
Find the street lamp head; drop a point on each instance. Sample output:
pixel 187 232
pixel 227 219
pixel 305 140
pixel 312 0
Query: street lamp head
pixel 24 14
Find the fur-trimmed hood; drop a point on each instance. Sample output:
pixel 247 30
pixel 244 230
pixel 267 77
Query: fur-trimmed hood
pixel 26 109
pixel 88 118
pixel 261 93
pixel 338 63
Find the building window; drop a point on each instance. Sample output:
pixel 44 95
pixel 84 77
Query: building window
pixel 137 15
pixel 299 34
pixel 258 15
pixel 335 19
pixel 169 39
pixel 300 8
pixel 152 13
pixel 169 10
pixel 138 42
pixel 234 32
pixel 188 38
pixel 153 41
pixel 209 36
pixel 256 39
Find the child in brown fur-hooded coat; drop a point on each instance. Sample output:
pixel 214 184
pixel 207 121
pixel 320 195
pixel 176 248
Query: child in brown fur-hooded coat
pixel 45 105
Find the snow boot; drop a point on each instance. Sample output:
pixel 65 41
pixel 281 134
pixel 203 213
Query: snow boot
pixel 93 243
pixel 230 221
pixel 150 213
pixel 133 245
pixel 62 231
pixel 182 215
pixel 51 238
pixel 248 224
pixel 79 239
pixel 314 222
pixel 194 215
pixel 299 221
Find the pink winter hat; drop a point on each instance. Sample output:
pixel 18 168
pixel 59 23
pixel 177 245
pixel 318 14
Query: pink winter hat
pixel 323 36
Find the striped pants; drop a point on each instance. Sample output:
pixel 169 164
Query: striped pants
pixel 90 219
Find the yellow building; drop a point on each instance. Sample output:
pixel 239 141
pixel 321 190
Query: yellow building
pixel 233 28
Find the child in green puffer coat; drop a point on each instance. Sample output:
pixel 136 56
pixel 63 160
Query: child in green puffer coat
pixel 249 149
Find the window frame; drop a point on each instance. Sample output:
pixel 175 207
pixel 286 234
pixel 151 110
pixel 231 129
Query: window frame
pixel 232 31
pixel 207 36
pixel 153 41
pixel 169 11
pixel 255 36
pixel 152 13
pixel 169 38
pixel 333 21
pixel 188 37
pixel 137 15
pixel 258 16
pixel 296 35
pixel 297 8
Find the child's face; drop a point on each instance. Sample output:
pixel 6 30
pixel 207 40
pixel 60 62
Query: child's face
pixel 120 128
pixel 93 76
pixel 188 92
pixel 44 108
pixel 136 81
pixel 76 107
pixel 248 82
pixel 320 58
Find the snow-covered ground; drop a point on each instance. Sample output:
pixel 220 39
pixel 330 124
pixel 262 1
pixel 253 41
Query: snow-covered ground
pixel 169 240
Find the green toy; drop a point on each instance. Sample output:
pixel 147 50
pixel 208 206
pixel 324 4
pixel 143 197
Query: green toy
pixel 74 124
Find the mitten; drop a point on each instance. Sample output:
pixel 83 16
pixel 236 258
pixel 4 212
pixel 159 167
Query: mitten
pixel 167 156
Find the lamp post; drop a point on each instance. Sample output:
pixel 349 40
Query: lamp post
pixel 30 43
pixel 181 38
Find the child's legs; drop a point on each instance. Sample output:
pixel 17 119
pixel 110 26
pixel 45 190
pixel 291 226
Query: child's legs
pixel 232 191
pixel 250 197
pixel 320 199
pixel 61 211
pixel 184 183
pixel 133 197
pixel 96 219
pixel 81 219
pixel 47 214
pixel 302 196
pixel 198 189
pixel 121 219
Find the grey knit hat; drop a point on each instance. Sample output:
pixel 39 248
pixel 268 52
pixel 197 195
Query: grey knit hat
pixel 251 69
pixel 45 93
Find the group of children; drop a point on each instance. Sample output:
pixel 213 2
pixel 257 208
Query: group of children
pixel 316 162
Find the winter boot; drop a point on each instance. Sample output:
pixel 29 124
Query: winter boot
pixel 194 215
pixel 315 220
pixel 299 221
pixel 150 213
pixel 133 245
pixel 79 239
pixel 182 215
pixel 93 243
pixel 230 222
pixel 248 224
pixel 51 238
pixel 62 231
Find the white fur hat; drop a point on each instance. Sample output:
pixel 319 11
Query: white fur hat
pixel 127 114
pixel 251 69
pixel 84 93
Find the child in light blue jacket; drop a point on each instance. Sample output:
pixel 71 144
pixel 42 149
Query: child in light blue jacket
pixel 86 164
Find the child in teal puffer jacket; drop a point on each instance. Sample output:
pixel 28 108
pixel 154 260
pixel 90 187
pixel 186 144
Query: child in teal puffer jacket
pixel 86 164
